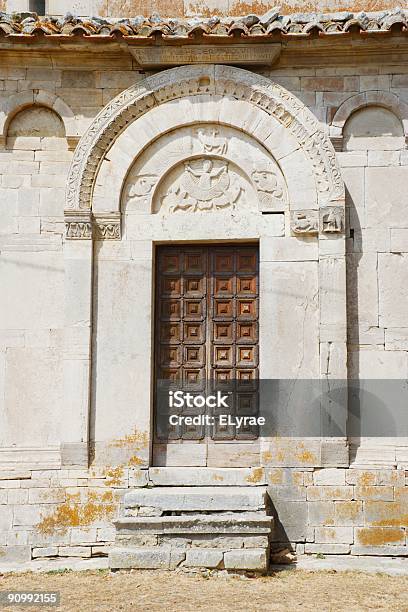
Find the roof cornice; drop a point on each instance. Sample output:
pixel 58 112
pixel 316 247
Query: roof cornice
pixel 271 25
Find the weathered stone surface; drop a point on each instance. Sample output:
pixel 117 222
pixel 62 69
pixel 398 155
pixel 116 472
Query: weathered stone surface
pixel 327 549
pixel 393 297
pixel 256 560
pixel 329 493
pixel 330 535
pixel 136 539
pixel 224 541
pixel 207 476
pixel 15 554
pixel 330 476
pixel 383 196
pixel 380 536
pixel 74 551
pixel 49 551
pixel 199 498
pixel 321 513
pixel 145 558
pixel 138 478
pixel 348 513
pixel 378 551
pixel 231 523
pixel 208 557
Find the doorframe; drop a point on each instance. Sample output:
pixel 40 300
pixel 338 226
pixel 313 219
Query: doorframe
pixel 163 243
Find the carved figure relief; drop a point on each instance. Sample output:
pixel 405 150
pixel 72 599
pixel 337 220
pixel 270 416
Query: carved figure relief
pixel 205 184
pixel 332 219
pixel 304 222
pixel 140 189
pixel 270 192
pixel 211 141
pixel 204 167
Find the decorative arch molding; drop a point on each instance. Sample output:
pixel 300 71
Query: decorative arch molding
pixel 39 97
pixel 385 99
pixel 201 80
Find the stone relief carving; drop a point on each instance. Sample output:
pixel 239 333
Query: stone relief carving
pixel 130 105
pixel 103 227
pixel 204 167
pixel 81 230
pixel 211 141
pixel 107 230
pixel 271 194
pixel 142 187
pixel 332 219
pixel 205 184
pixel 303 222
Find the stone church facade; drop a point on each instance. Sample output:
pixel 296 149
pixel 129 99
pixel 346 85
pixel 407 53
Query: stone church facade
pixel 196 197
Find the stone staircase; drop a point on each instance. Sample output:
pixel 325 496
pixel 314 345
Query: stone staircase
pixel 213 527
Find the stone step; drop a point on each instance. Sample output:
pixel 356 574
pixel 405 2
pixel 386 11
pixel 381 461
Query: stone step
pixel 197 499
pixel 246 523
pixel 206 477
pixel 255 559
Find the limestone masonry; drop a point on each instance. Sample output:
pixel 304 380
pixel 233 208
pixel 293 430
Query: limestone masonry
pixel 203 191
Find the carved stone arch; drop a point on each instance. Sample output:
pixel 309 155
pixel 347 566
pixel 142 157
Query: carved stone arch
pixel 39 97
pixel 384 99
pixel 178 83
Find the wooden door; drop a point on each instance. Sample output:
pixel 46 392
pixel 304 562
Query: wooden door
pixel 206 340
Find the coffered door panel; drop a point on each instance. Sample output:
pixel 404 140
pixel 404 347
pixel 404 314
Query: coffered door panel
pixel 206 339
pixel 233 325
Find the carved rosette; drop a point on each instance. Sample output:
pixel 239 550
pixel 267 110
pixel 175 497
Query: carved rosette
pixel 84 226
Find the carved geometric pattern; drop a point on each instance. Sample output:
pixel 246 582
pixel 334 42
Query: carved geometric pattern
pixel 84 226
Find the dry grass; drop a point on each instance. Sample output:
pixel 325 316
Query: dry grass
pixel 172 592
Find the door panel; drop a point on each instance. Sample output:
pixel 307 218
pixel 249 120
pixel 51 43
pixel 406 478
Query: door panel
pixel 206 336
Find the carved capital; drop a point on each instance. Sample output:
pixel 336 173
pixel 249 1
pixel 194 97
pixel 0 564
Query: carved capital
pixel 304 222
pixel 107 226
pixel 78 225
pixel 332 219
pixel 81 225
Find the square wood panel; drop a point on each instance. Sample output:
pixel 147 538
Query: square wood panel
pixel 206 330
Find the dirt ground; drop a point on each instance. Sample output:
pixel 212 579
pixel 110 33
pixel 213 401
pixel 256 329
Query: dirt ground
pixel 327 591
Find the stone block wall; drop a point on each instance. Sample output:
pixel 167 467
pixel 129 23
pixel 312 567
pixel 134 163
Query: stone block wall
pixel 340 510
pixel 48 511
pixel 69 513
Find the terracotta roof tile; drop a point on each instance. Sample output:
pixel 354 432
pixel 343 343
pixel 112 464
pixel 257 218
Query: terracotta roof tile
pixel 271 24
